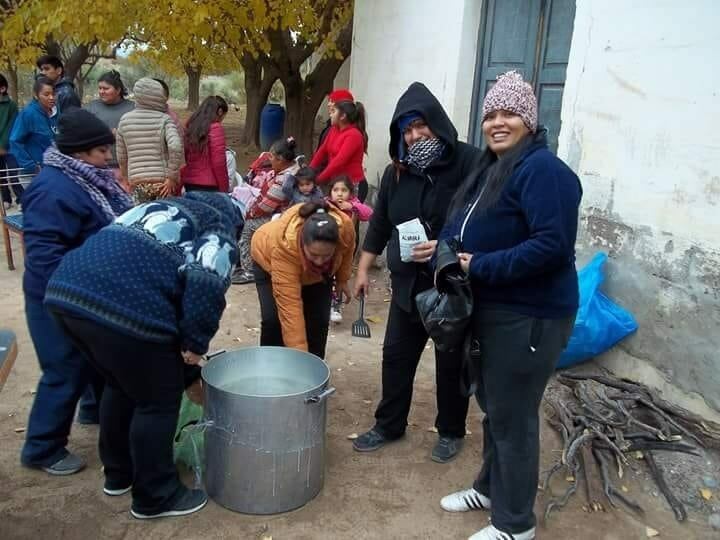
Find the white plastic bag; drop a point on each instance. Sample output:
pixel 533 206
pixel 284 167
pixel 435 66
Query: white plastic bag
pixel 231 162
pixel 411 234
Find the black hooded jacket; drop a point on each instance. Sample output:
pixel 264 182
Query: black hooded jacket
pixel 408 193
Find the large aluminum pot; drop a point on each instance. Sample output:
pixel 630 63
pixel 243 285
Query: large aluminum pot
pixel 265 409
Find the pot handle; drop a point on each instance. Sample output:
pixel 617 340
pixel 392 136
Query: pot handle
pixel 320 397
pixel 210 356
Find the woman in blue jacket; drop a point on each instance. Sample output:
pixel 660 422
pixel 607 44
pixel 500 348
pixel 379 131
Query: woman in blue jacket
pixel 516 221
pixel 73 197
pixel 35 127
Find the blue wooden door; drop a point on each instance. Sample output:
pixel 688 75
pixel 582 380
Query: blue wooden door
pixel 532 37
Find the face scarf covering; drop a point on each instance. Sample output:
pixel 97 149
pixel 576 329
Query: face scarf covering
pixel 423 153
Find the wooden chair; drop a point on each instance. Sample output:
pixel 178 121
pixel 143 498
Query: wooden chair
pixel 8 353
pixel 12 224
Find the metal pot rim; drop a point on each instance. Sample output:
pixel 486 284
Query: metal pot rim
pixel 304 393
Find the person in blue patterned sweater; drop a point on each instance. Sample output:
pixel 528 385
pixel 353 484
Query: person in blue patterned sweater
pixel 143 298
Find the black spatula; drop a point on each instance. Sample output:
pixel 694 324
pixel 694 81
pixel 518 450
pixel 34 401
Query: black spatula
pixel 360 328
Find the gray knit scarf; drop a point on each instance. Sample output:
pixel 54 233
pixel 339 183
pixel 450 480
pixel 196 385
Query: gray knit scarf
pixel 423 153
pixel 99 183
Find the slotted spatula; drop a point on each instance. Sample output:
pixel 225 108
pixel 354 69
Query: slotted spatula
pixel 360 328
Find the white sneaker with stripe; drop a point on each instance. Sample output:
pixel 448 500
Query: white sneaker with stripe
pixel 491 533
pixel 464 501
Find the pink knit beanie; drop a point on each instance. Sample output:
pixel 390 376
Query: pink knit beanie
pixel 512 93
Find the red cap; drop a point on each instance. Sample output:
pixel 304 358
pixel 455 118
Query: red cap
pixel 341 94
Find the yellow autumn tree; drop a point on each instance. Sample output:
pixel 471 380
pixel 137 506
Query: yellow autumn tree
pixel 276 41
pixel 78 31
pixel 182 36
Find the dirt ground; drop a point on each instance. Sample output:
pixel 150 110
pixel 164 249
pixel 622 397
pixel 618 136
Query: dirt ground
pixel 392 493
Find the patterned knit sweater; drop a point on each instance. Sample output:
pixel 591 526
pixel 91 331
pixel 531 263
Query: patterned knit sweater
pixel 159 273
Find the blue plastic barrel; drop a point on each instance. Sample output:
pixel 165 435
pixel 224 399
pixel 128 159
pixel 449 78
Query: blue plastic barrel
pixel 272 124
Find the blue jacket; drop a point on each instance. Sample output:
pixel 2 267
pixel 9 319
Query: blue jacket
pixel 58 216
pixel 33 132
pixel 523 246
pixel 159 273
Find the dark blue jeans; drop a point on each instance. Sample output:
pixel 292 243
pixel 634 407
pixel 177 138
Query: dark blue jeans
pixel 65 375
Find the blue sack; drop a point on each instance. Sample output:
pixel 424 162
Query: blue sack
pixel 600 322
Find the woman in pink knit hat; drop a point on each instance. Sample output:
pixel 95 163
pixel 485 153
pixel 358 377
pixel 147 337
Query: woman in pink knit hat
pixel 515 220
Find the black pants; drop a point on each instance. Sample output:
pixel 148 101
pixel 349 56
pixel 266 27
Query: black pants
pixel 362 190
pixel 138 411
pixel 405 340
pixel 18 190
pixel 511 382
pixel 316 309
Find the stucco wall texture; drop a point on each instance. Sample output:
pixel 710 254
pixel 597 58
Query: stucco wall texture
pixel 640 127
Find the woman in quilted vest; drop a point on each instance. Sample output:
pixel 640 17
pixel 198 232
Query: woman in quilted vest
pixel 149 147
pixel 206 168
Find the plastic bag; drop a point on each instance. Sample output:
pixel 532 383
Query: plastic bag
pixel 600 322
pixel 231 163
pixel 446 309
pixel 189 447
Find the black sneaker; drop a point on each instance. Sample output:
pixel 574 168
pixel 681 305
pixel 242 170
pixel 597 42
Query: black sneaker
pixel 115 489
pixel 370 441
pixel 447 448
pixel 191 501
pixel 242 278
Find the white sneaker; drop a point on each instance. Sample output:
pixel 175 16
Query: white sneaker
pixel 335 315
pixel 464 501
pixel 491 533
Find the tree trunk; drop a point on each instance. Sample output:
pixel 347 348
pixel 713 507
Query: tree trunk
pixel 12 81
pixel 303 99
pixel 80 87
pixel 258 83
pixel 295 109
pixel 193 75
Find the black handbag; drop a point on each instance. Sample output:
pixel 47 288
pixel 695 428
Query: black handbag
pixel 446 309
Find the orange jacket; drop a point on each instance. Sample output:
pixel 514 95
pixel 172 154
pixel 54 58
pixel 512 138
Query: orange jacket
pixel 276 248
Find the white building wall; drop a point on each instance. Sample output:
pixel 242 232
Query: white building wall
pixel 640 126
pixel 397 42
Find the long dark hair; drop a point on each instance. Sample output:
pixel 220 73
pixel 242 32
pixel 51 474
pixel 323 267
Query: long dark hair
pixel 198 126
pixel 3 84
pixel 114 79
pixel 355 113
pixel 493 173
pixel 319 225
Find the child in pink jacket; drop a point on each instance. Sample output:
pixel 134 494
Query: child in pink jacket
pixel 342 195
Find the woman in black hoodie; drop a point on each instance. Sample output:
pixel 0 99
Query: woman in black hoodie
pixel 428 165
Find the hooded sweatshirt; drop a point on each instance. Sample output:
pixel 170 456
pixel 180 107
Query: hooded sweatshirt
pixel 148 145
pixel 407 193
pixel 33 132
